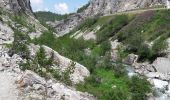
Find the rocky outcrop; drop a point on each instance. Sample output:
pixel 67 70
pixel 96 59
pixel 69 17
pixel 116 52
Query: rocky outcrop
pixel 80 72
pixel 65 26
pixel 36 87
pixel 16 6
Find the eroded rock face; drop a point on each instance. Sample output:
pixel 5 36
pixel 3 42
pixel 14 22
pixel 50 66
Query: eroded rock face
pixel 16 5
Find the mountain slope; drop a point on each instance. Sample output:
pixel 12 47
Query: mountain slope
pixel 103 7
pixel 35 71
pixel 116 47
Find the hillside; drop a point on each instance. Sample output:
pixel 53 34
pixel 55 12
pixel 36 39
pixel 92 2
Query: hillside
pixel 102 44
pixel 117 53
pixel 30 71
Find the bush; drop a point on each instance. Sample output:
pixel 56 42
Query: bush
pixel 159 46
pixel 139 88
pixel 19 45
pixel 105 47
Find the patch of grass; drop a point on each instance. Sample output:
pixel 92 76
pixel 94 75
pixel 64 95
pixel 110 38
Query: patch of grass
pixel 101 82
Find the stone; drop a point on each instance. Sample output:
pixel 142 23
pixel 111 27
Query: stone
pixel 159 83
pixel 67 93
pixel 158 75
pixel 38 87
pixel 114 44
pixel 29 78
pixel 162 65
pixel 131 59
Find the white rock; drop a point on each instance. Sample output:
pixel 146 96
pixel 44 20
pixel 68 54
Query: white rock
pixel 29 78
pixel 80 71
pixel 162 65
pixel 69 94
pixel 159 83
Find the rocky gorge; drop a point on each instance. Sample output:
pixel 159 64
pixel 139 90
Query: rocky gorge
pixel 36 63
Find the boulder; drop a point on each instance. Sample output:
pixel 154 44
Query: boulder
pixel 131 59
pixel 162 65
pixel 159 83
pixel 158 75
pixel 114 44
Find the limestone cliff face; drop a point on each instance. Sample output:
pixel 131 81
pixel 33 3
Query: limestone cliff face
pixel 16 6
pixel 103 7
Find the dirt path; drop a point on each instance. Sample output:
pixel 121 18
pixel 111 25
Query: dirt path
pixel 8 89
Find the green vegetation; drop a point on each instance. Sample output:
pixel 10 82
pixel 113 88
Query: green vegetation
pixel 142 30
pixel 19 45
pixel 105 78
pixel 139 88
pixel 23 22
pixel 42 66
pixel 112 27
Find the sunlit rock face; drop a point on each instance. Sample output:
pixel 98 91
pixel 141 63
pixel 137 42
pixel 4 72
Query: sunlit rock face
pixel 104 7
pixel 16 6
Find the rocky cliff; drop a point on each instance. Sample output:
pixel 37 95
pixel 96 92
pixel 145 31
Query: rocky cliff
pixel 103 7
pixel 16 6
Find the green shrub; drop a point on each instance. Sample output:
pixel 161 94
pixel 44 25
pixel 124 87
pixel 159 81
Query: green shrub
pixel 20 43
pixel 139 88
pixel 159 46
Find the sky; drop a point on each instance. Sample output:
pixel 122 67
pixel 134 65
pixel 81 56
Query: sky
pixel 57 6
